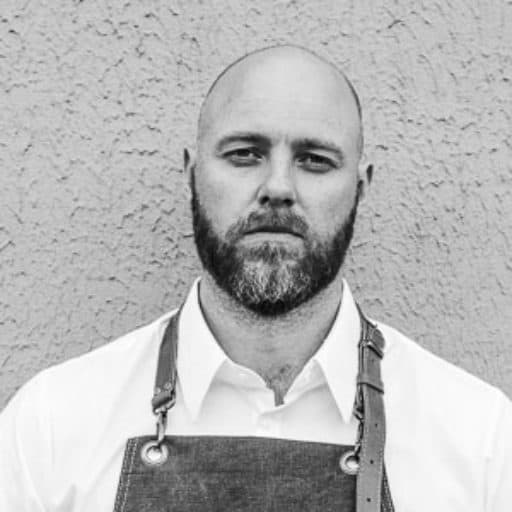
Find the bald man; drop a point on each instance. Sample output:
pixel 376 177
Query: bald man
pixel 269 387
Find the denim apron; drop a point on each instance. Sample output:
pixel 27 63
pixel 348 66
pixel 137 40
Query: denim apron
pixel 256 474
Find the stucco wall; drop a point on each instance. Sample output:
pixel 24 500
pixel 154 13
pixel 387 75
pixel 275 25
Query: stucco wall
pixel 97 100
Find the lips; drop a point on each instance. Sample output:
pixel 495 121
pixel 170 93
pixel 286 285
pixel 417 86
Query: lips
pixel 272 229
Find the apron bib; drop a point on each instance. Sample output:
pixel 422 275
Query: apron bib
pixel 257 474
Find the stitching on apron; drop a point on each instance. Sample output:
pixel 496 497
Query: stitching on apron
pixel 132 458
pixel 131 450
pixel 122 484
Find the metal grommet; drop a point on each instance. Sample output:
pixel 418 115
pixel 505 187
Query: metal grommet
pixel 349 463
pixel 154 453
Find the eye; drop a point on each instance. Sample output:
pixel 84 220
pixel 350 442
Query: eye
pixel 314 162
pixel 242 157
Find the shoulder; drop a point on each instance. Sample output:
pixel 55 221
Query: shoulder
pixel 91 383
pixel 437 395
pixel 116 357
pixel 438 372
pixel 87 406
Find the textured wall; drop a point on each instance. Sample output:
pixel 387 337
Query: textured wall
pixel 97 100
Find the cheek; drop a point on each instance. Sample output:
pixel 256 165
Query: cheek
pixel 222 197
pixel 328 207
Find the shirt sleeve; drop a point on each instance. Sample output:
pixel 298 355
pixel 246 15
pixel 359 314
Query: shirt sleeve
pixel 25 448
pixel 499 475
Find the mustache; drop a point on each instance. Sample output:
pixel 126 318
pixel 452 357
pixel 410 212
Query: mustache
pixel 270 220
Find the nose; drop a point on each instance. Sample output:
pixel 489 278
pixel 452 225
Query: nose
pixel 278 188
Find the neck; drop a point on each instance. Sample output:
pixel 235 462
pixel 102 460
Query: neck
pixel 277 348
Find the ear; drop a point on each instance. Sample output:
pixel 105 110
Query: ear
pixel 189 163
pixel 365 179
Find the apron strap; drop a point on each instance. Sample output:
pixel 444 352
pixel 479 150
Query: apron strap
pixel 369 406
pixel 369 409
pixel 164 395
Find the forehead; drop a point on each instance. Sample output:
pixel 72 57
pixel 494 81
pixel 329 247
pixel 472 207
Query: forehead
pixel 282 98
pixel 279 118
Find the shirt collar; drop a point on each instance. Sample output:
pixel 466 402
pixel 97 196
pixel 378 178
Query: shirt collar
pixel 338 354
pixel 200 356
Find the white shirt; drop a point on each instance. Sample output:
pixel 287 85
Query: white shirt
pixel 62 437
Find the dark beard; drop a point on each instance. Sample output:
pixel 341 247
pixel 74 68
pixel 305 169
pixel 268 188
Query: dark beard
pixel 270 279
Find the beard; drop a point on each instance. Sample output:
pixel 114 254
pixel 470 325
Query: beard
pixel 272 278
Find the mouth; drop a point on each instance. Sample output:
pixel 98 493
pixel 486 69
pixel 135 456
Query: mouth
pixel 272 230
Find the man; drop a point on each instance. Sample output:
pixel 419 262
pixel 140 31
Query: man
pixel 268 378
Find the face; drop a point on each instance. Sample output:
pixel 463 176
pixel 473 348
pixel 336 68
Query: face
pixel 275 187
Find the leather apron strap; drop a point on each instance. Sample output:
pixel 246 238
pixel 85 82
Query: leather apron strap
pixel 164 395
pixel 368 454
pixel 369 409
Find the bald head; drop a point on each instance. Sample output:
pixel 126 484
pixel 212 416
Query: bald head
pixel 277 177
pixel 284 71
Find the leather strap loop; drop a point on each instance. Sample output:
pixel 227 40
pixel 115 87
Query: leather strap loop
pixel 373 346
pixel 369 379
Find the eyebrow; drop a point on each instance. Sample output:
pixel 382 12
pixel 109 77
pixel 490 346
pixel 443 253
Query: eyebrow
pixel 255 139
pixel 316 143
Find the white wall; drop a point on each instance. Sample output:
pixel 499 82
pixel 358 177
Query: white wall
pixel 98 99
